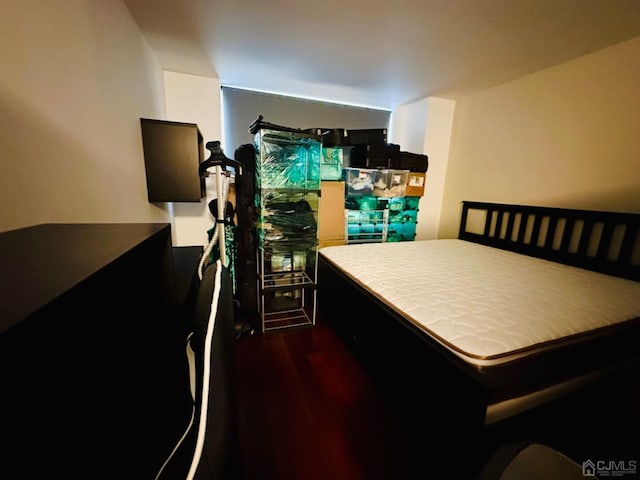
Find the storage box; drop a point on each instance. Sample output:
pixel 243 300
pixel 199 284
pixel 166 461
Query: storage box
pixel 286 160
pixel 414 162
pixel 331 163
pixel 401 232
pixel 386 156
pixel 364 202
pixel 288 217
pixel 410 216
pixel 370 136
pixel 390 183
pixel 288 261
pixel 331 215
pixel 365 217
pixel 411 203
pixel 415 184
pixel 408 231
pixel 359 181
pixel 331 137
pixel 365 226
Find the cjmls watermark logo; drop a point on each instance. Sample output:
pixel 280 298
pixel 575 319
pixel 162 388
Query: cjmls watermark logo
pixel 609 468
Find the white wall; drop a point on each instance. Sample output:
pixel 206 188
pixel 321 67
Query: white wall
pixel 425 127
pixel 567 136
pixel 195 99
pixel 76 77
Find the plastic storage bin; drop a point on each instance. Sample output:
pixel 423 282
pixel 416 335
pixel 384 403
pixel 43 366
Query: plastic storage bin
pixel 411 203
pixel 366 225
pixel 287 160
pixel 401 232
pixel 288 218
pixel 396 208
pixel 365 202
pixel 390 183
pixel 331 163
pixel 359 181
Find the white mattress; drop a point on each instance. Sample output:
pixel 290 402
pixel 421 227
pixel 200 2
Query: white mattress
pixel 487 305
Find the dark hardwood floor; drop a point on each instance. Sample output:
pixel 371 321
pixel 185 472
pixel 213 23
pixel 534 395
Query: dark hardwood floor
pixel 309 409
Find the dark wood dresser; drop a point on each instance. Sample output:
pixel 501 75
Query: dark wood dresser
pixel 92 365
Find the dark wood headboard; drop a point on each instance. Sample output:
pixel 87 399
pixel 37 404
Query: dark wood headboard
pixel 606 242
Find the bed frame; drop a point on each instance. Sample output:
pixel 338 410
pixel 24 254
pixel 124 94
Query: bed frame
pixel 437 391
pixel 606 242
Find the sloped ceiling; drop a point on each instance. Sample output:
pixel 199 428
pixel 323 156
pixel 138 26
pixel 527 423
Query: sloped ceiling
pixel 377 53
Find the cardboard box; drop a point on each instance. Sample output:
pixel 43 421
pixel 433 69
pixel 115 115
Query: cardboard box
pixel 415 184
pixel 331 214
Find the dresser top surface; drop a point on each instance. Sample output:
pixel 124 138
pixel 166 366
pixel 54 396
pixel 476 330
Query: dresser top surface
pixel 42 262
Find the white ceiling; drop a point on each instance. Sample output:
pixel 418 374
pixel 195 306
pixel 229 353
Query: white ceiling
pixel 377 53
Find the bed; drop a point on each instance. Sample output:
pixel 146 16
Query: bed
pixel 527 305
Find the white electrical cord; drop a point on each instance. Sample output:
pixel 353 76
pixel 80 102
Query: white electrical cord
pixel 192 373
pixel 206 374
pixel 206 379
